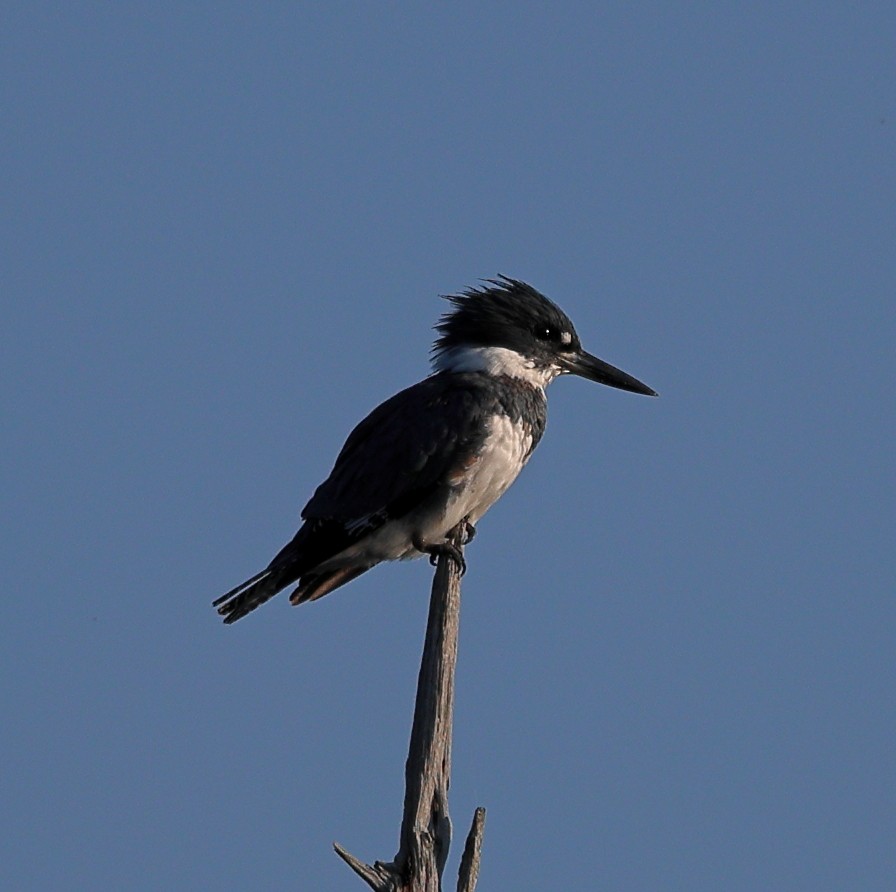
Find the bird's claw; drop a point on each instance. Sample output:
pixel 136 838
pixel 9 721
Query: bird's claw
pixel 452 551
pixel 443 548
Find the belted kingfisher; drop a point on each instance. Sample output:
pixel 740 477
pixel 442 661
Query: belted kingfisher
pixel 438 454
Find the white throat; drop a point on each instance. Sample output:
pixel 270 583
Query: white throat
pixel 496 361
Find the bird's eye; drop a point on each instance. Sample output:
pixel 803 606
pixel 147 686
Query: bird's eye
pixel 546 333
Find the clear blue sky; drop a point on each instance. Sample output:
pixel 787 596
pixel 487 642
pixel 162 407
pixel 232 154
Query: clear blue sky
pixel 225 228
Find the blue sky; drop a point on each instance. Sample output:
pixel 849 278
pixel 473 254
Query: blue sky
pixel 224 233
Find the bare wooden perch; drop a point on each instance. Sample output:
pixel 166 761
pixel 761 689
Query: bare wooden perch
pixel 426 826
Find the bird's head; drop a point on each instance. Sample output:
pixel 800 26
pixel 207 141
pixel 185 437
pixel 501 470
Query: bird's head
pixel 506 327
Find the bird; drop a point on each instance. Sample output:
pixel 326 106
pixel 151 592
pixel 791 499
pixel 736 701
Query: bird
pixel 438 454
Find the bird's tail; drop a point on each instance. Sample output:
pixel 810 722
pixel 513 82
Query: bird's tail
pixel 250 594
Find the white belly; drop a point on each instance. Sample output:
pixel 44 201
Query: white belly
pixel 501 459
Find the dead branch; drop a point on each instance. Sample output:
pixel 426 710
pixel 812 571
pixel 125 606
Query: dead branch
pixel 426 827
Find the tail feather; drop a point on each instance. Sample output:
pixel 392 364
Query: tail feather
pixel 250 594
pixel 312 587
pixel 295 561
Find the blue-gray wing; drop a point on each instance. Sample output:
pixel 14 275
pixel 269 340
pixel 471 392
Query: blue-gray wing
pixel 402 453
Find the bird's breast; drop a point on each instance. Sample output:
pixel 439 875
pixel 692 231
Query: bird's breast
pixel 483 476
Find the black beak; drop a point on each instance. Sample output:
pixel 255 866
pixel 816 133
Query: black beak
pixel 588 366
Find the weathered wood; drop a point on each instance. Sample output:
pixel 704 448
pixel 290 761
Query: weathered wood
pixel 426 826
pixel 379 876
pixel 468 872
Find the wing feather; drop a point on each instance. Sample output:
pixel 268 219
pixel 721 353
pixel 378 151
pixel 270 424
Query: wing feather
pixel 401 453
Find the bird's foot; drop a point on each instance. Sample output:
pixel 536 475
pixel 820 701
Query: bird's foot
pixel 435 551
pixel 469 531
